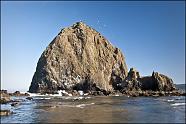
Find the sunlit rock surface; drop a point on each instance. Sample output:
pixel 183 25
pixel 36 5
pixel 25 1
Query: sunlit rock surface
pixel 79 58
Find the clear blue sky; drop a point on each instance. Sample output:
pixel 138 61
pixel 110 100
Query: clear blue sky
pixel 150 34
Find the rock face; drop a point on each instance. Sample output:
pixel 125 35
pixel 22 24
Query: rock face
pixel 156 82
pixel 132 81
pixel 79 58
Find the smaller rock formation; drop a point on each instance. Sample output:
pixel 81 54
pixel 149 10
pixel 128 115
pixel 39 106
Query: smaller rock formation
pixel 5 97
pixel 5 100
pixel 29 98
pixel 155 85
pixel 18 93
pixel 15 104
pixel 157 82
pixel 3 92
pixel 132 81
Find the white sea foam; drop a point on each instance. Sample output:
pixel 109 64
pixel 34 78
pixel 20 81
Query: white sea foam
pixel 80 97
pixel 41 98
pixel 80 92
pixel 170 100
pixel 47 98
pixel 67 105
pixel 54 106
pixel 38 94
pixel 67 97
pixel 83 105
pixel 35 94
pixel 87 97
pixel 86 94
pixel 177 104
pixel 59 93
pixel 79 106
pixel 70 94
pixel 22 92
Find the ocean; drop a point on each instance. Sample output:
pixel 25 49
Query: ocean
pixel 97 109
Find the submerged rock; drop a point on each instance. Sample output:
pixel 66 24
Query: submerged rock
pixel 29 98
pixel 15 104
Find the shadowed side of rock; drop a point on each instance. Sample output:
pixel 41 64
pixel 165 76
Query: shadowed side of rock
pixel 154 85
pixel 157 82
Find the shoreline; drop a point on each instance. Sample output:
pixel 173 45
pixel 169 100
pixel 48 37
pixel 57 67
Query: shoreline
pixel 6 97
pixel 132 93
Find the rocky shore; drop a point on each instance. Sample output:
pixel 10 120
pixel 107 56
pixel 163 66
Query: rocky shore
pixel 132 93
pixel 5 98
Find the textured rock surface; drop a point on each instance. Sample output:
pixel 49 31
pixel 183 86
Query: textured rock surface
pixel 79 58
pixel 132 81
pixel 156 82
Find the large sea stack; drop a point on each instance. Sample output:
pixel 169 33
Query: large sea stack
pixel 80 58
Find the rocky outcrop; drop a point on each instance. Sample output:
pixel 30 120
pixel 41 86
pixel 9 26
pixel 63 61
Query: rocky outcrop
pixel 156 82
pixel 5 100
pixel 79 58
pixel 132 81
pixel 5 97
pixel 4 93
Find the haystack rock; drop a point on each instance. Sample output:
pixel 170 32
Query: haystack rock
pixel 79 58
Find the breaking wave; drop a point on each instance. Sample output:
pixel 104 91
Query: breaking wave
pixel 178 104
pixel 79 105
pixel 170 100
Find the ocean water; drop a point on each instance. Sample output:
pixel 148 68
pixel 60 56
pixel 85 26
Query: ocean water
pixel 102 109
